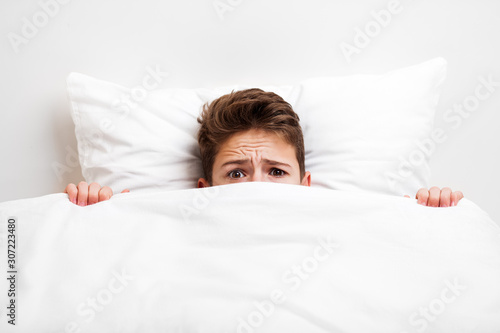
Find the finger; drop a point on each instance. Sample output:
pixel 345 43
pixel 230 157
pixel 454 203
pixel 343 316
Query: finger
pixel 93 193
pixel 72 192
pixel 105 193
pixel 83 193
pixel 445 198
pixel 434 195
pixel 126 191
pixel 456 197
pixel 422 196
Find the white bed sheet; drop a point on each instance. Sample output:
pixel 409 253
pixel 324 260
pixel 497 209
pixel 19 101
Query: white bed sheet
pixel 254 257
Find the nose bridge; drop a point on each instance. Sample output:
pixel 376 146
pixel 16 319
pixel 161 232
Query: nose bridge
pixel 257 175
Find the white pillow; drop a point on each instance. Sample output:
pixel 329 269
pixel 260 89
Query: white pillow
pixel 356 129
pixel 372 132
pixel 140 139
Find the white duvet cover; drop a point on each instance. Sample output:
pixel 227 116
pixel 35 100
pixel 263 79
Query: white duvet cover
pixel 254 257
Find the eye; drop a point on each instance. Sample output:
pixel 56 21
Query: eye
pixel 277 172
pixel 235 174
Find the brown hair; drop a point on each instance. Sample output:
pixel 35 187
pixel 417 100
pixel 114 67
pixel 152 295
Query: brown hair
pixel 244 110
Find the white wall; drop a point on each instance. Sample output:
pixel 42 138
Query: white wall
pixel 272 42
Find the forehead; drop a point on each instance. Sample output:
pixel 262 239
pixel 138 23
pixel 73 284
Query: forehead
pixel 256 143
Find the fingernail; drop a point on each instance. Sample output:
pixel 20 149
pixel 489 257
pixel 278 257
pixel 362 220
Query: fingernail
pixel 73 201
pixel 82 204
pixel 452 203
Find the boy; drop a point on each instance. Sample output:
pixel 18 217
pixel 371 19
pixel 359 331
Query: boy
pixel 252 135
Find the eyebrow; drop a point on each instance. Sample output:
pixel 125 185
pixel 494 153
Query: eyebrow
pixel 265 160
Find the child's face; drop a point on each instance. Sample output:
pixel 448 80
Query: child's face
pixel 256 156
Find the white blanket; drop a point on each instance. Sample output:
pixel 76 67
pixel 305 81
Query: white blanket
pixel 254 257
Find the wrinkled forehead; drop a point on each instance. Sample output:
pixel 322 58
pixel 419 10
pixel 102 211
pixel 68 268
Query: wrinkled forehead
pixel 256 145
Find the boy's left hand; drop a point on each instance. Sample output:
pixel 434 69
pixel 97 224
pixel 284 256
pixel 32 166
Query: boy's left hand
pixel 435 197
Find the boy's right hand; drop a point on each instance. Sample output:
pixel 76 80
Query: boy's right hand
pixel 83 194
